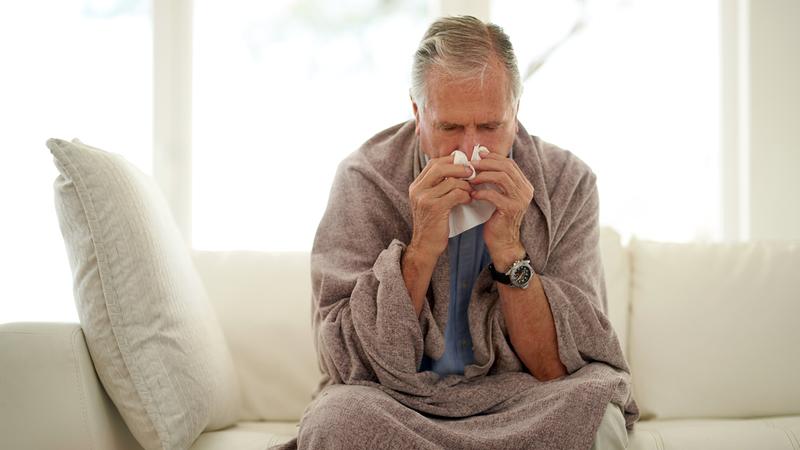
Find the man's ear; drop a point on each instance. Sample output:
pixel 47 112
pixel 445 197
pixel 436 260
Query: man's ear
pixel 516 122
pixel 416 115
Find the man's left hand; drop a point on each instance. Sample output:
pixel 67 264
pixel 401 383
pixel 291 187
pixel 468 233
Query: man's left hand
pixel 502 231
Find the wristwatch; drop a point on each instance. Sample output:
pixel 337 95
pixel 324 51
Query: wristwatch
pixel 518 276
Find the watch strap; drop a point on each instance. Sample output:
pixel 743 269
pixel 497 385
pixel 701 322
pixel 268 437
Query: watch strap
pixel 502 277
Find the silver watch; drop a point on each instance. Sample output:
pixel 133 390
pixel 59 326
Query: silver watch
pixel 518 276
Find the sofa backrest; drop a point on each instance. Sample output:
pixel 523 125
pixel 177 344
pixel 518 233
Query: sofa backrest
pixel 617 270
pixel 263 301
pixel 710 329
pixel 713 329
pixel 264 305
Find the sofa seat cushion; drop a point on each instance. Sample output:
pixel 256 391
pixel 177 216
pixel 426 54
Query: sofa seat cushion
pixel 247 436
pixel 711 434
pixel 690 434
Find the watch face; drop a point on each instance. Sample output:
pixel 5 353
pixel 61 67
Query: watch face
pixel 521 275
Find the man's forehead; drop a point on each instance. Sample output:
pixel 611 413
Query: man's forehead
pixel 459 111
pixel 490 78
pixel 483 97
pixel 452 116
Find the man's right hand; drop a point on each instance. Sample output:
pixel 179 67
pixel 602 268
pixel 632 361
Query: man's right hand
pixel 437 189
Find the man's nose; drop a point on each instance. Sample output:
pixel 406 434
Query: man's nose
pixel 469 141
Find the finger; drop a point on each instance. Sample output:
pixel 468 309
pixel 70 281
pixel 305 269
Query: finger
pixel 455 197
pixel 492 155
pixel 501 179
pixel 443 170
pixel 441 189
pixel 500 201
pixel 431 162
pixel 502 164
pixel 498 157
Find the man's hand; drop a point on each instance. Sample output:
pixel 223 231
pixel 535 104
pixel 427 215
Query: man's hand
pixel 502 231
pixel 437 189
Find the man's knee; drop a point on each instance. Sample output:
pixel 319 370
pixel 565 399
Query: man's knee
pixel 612 433
pixel 341 416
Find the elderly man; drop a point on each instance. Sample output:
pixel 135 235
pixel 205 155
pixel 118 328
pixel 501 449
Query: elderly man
pixel 459 299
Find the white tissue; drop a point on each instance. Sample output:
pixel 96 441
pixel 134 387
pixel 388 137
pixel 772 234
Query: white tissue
pixel 464 217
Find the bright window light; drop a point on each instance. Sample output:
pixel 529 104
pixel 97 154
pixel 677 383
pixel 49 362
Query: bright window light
pixel 70 69
pixel 283 91
pixel 635 94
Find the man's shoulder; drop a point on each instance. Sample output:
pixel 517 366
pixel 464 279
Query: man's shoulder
pixel 388 154
pixel 400 135
pixel 559 163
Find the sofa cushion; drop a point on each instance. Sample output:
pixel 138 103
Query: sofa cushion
pixel 774 433
pixel 150 329
pixel 263 301
pixel 713 329
pixel 50 397
pixel 247 436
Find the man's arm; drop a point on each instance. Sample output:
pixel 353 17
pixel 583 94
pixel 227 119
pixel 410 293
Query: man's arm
pixel 530 323
pixel 527 314
pixel 437 189
pixel 417 273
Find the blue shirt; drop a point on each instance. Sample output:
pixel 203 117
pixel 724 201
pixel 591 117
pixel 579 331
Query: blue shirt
pixel 468 257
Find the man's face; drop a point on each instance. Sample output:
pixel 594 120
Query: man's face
pixel 460 114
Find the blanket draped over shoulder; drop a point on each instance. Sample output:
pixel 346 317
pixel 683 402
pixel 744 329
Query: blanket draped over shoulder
pixel 367 332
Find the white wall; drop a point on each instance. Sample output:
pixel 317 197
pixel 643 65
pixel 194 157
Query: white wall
pixel 775 119
pixel 761 118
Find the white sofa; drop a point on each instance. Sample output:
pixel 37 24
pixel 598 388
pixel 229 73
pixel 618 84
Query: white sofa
pixel 710 331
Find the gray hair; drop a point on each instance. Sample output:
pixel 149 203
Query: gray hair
pixel 463 46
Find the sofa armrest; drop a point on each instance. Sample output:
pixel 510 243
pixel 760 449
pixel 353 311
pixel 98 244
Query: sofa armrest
pixel 50 396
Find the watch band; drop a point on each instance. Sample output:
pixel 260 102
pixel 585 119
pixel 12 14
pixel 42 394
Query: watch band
pixel 502 277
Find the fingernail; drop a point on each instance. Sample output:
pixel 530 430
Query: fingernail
pixel 467 170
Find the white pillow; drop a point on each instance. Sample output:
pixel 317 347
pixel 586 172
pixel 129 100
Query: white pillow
pixel 714 329
pixel 154 338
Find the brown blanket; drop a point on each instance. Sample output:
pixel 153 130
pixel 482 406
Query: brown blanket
pixel 367 333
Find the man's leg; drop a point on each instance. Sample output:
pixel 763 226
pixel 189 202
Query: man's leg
pixel 612 433
pixel 361 417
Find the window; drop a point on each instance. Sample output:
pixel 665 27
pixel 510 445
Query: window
pixel 282 92
pixel 71 69
pixel 635 94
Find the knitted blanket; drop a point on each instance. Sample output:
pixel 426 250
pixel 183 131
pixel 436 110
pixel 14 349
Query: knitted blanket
pixel 368 335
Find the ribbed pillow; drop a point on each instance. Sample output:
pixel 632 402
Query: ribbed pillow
pixel 153 335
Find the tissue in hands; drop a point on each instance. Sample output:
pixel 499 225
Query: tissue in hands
pixel 464 217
